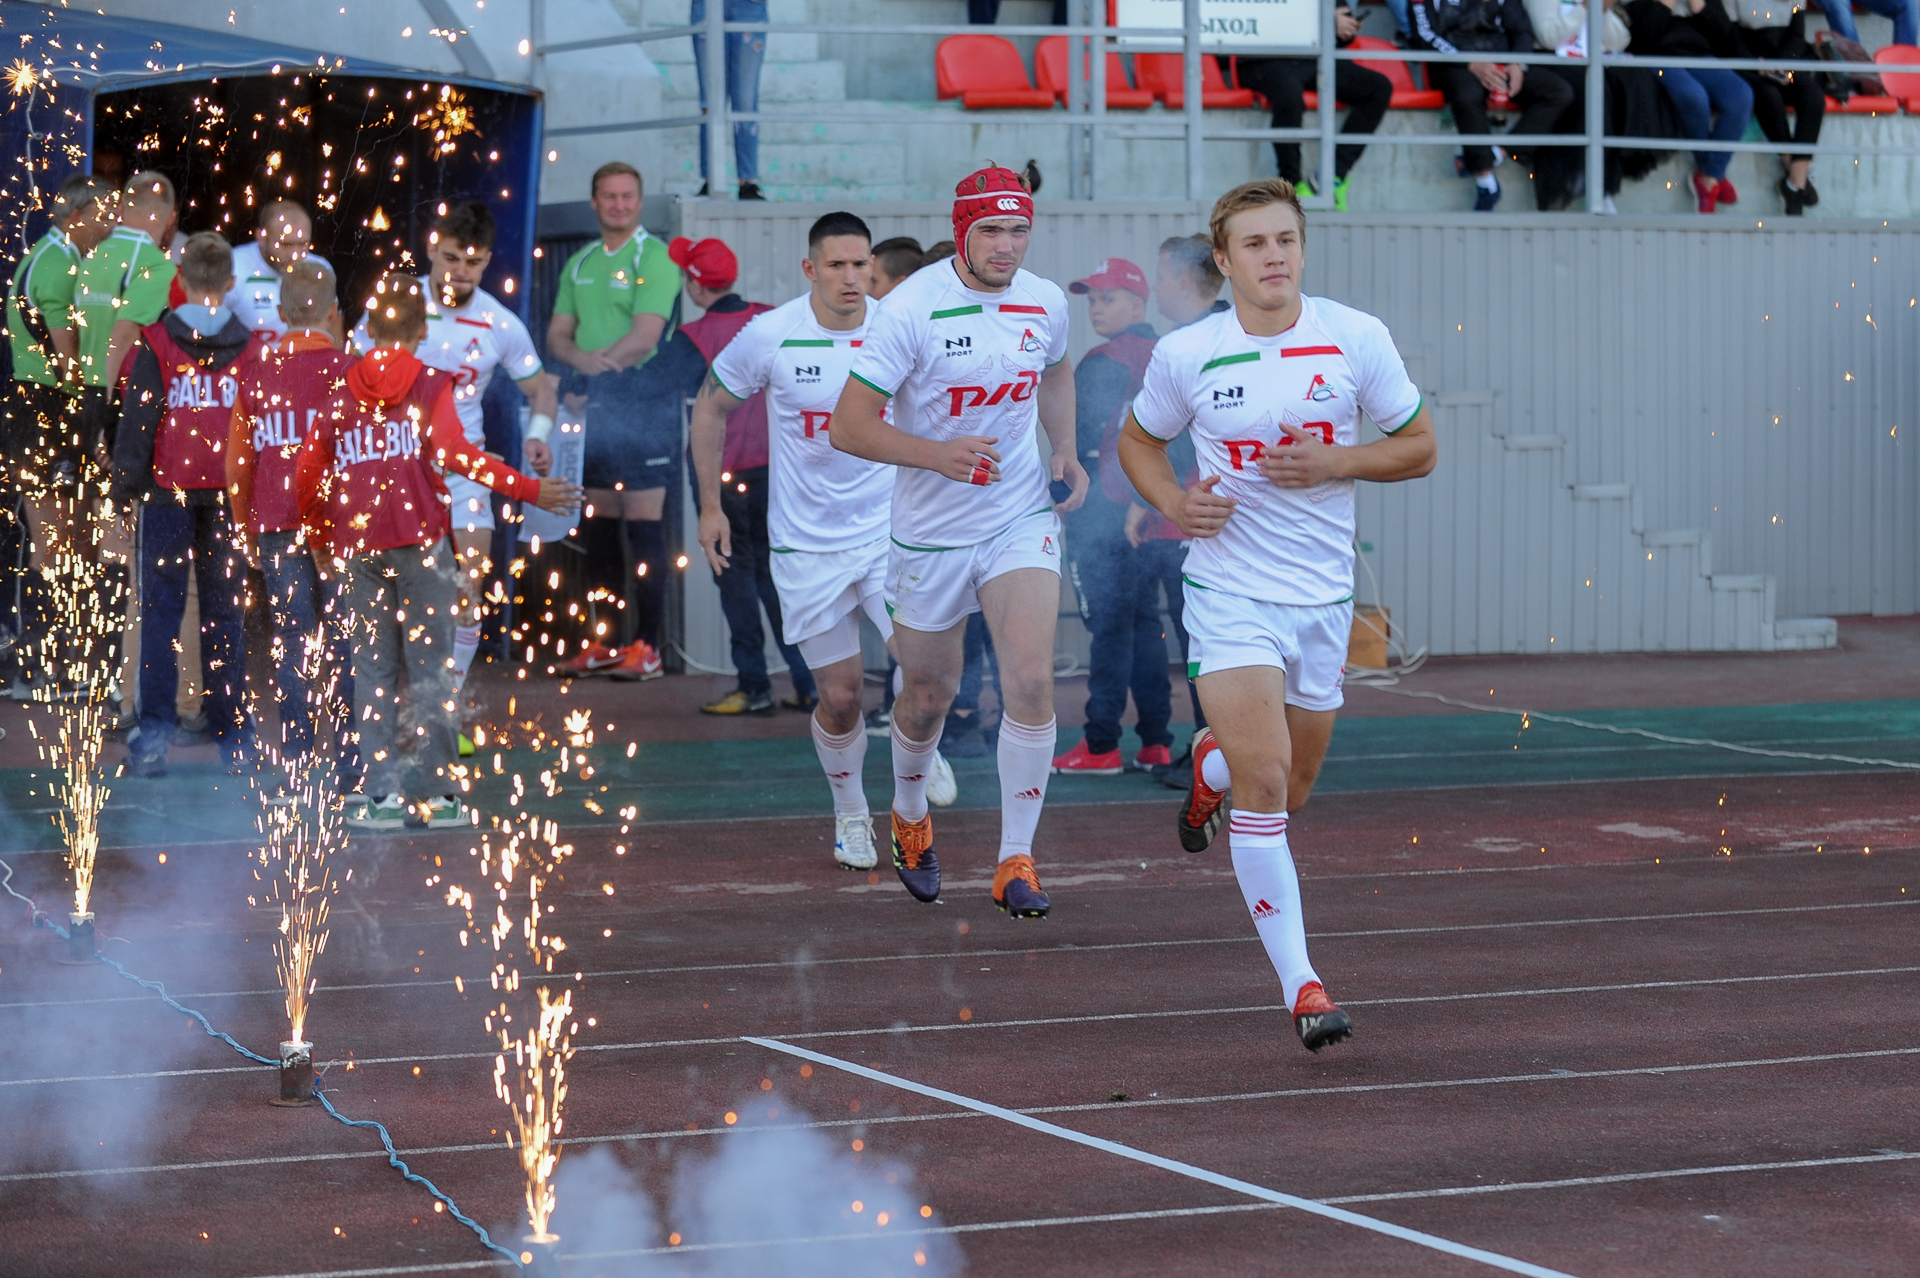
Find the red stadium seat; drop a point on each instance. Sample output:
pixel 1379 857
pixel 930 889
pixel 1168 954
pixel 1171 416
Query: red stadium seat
pixel 1164 76
pixel 1865 104
pixel 984 72
pixel 1050 69
pixel 1904 85
pixel 1406 97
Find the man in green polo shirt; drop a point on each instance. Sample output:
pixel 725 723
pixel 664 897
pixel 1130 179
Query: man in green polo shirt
pixel 123 283
pixel 618 302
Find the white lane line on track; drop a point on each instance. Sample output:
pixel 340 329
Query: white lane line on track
pixel 1621 1178
pixel 1028 1023
pixel 1052 950
pixel 1493 1080
pixel 1307 1205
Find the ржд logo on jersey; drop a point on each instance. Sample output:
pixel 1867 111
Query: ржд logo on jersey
pixel 815 423
pixel 1019 391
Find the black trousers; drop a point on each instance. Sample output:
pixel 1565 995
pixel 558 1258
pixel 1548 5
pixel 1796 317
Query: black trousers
pixel 1284 81
pixel 1770 103
pixel 1542 100
pixel 747 586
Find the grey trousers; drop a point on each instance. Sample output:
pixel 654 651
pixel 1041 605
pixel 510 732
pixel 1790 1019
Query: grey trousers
pixel 401 605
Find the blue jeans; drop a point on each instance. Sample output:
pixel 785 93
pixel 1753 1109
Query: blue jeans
pixel 1696 95
pixel 1120 602
pixel 1398 8
pixel 1905 15
pixel 301 605
pixel 174 540
pixel 744 53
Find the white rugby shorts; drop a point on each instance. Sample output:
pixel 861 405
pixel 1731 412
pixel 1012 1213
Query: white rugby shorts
pixel 823 594
pixel 472 508
pixel 1227 632
pixel 933 589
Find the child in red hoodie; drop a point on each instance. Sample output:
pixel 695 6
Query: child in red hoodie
pixel 372 496
pixel 298 380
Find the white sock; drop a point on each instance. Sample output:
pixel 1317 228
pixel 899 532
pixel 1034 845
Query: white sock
pixel 842 758
pixel 1264 867
pixel 466 642
pixel 1213 770
pixel 912 761
pixel 1026 761
pixel 1487 182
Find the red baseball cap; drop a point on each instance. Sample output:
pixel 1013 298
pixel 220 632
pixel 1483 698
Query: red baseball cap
pixel 710 262
pixel 1115 272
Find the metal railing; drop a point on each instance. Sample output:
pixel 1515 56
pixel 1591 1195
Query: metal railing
pixel 1089 38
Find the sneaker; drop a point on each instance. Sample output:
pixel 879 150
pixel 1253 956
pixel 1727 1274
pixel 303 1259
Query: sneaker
pixel 800 701
pixel 638 660
pixel 913 858
pixel 145 765
pixel 440 810
pixel 751 191
pixel 1086 763
pixel 1795 201
pixel 963 738
pixel 1316 1020
pixel 1340 186
pixel 1809 194
pixel 1483 199
pixel 465 745
pixel 853 842
pixel 1152 759
pixel 388 812
pixel 1304 189
pixel 1016 889
pixel 595 659
pixel 880 722
pixel 1200 817
pixel 1177 775
pixel 739 702
pixel 1608 208
pixel 1705 192
pixel 277 795
pixel 1723 191
pixel 942 788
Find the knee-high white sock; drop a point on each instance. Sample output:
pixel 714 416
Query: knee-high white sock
pixel 1026 761
pixel 843 757
pixel 1213 770
pixel 1264 867
pixel 466 642
pixel 912 760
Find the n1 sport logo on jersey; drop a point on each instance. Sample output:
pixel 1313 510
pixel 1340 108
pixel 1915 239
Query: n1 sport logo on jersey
pixel 1019 391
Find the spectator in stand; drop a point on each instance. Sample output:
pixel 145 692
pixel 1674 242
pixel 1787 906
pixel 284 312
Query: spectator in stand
pixel 893 261
pixel 618 302
pixel 373 499
pixel 169 463
pixel 284 237
pixel 1560 26
pixel 1187 286
pixel 745 50
pixel 1782 33
pixel 1702 31
pixel 297 379
pixel 1284 82
pixel 1487 26
pixel 1905 15
pixel 37 420
pixel 1119 603
pixel 747 584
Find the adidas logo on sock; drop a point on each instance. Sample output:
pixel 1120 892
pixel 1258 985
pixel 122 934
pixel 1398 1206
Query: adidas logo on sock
pixel 1263 910
pixel 1028 794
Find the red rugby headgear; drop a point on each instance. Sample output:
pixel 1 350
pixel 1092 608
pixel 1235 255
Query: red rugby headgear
pixel 993 192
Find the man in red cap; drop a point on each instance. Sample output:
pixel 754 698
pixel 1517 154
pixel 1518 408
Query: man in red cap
pixel 969 356
pixel 1119 602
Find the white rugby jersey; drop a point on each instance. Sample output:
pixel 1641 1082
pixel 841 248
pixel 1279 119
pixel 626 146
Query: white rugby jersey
pixel 957 362
pixel 255 295
pixel 470 343
pixel 1283 545
pixel 821 499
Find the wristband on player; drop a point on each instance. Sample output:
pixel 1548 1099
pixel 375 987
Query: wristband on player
pixel 539 426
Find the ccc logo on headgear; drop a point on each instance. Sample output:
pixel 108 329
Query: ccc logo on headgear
pixel 1010 204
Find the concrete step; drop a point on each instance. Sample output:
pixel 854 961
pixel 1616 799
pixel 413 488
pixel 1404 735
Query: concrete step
pixel 1796 634
pixel 780 82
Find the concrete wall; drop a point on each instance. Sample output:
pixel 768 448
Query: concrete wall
pixel 1716 438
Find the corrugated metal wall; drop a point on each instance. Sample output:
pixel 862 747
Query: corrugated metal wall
pixel 1625 407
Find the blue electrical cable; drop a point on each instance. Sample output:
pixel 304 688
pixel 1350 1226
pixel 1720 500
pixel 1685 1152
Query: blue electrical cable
pixel 41 919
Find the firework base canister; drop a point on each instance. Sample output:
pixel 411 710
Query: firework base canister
pixel 82 945
pixel 540 1255
pixel 296 1075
